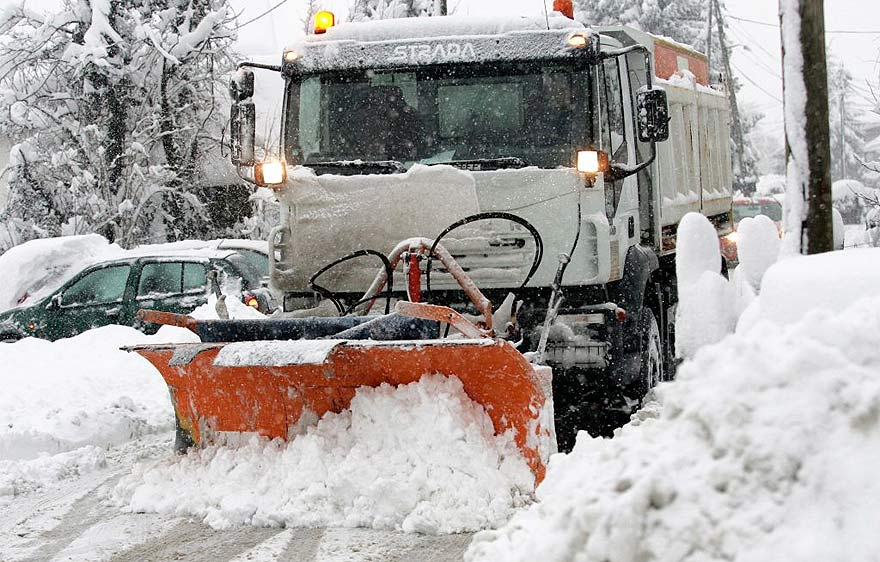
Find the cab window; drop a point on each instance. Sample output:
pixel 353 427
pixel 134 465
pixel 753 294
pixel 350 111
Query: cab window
pixel 161 278
pixel 106 285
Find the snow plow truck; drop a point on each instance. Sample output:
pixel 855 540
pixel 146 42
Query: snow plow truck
pixel 431 167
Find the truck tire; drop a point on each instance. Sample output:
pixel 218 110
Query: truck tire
pixel 650 354
pixel 11 337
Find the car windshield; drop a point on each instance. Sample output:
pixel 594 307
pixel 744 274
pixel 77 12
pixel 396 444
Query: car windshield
pixel 250 275
pixel 772 210
pixel 534 113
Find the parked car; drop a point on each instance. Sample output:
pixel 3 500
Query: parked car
pixel 749 207
pixel 111 292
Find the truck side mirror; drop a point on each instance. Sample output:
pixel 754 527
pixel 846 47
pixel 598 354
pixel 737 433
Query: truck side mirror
pixel 242 118
pixel 653 115
pixel 54 302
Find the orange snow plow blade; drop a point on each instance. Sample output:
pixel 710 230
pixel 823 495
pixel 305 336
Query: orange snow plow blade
pixel 277 388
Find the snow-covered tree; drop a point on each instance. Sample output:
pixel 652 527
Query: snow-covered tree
pixel 682 20
pixel 845 120
pixel 388 9
pixel 113 105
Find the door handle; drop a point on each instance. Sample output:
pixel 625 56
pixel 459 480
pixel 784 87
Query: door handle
pixel 112 312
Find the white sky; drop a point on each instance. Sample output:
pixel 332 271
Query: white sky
pixel 757 62
pixel 758 65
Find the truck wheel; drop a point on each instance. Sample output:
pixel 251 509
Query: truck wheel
pixel 10 338
pixel 650 353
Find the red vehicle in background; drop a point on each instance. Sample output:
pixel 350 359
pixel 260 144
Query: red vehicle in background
pixel 749 207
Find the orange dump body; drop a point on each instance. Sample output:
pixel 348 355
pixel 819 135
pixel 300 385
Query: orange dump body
pixel 276 388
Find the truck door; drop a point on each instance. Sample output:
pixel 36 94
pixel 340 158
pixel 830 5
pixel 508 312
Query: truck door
pixel 621 196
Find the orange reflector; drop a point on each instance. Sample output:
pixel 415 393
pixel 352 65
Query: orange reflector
pixel 253 302
pixel 323 21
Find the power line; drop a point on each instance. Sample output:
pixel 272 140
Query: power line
pixel 267 12
pixel 754 83
pixel 776 25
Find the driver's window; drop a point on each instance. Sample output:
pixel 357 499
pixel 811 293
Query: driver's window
pixel 103 286
pixel 616 120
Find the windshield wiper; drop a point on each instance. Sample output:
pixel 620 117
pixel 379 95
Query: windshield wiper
pixel 501 163
pixel 353 167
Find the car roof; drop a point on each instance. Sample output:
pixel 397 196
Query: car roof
pixel 201 254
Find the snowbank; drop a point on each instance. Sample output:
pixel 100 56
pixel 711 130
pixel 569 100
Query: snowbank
pixel 765 447
pixel 705 313
pixel 31 271
pixel 793 287
pixel 62 399
pixel 421 458
pixel 59 396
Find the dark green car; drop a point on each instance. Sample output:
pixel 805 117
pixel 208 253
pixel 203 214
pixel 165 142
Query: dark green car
pixel 113 291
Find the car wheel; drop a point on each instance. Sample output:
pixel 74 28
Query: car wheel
pixel 10 338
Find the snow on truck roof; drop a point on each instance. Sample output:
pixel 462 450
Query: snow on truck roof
pixel 418 41
pixel 448 26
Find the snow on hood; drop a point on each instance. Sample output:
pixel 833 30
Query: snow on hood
pixel 764 448
pixel 420 457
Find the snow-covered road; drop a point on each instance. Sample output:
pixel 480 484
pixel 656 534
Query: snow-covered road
pixel 75 521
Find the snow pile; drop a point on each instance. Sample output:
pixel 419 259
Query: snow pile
pixel 758 249
pixel 765 448
pixel 63 399
pixel 33 270
pixel 705 313
pixel 792 287
pixel 80 391
pixel 421 457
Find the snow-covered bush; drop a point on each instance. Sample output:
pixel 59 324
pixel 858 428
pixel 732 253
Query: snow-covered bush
pixel 113 105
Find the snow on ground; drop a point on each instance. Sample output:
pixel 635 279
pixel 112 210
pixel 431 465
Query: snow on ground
pixel 64 401
pixel 764 448
pixel 420 458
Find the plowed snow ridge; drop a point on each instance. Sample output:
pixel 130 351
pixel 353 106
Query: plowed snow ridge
pixel 420 457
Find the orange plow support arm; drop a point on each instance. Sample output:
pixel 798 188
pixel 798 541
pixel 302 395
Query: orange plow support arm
pixel 276 388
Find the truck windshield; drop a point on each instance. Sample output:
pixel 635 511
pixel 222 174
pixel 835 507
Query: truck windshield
pixel 434 115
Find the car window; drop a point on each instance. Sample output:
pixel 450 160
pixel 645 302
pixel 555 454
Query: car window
pixel 259 261
pixel 240 267
pixel 161 278
pixel 194 277
pixel 105 285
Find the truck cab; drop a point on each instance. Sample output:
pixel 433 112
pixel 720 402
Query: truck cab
pixel 535 150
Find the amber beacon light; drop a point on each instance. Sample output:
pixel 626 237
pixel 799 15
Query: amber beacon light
pixel 323 21
pixel 564 7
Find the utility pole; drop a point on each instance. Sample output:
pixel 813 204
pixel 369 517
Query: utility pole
pixel 736 124
pixel 808 216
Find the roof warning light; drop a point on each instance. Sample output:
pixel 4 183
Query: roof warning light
pixel 323 21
